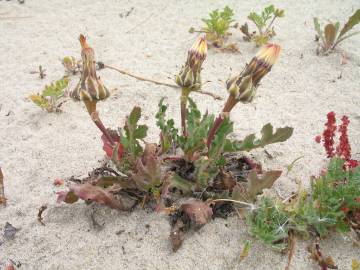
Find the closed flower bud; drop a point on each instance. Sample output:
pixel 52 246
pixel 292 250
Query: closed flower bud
pixel 189 76
pixel 197 54
pixel 261 64
pixel 90 88
pixel 241 88
pixel 246 90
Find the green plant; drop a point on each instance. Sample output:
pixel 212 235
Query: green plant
pixel 49 98
pixel 264 24
pixel 190 168
pixel 217 26
pixel 333 200
pixel 330 37
pixel 270 223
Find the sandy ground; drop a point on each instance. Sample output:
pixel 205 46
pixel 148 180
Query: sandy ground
pixel 37 147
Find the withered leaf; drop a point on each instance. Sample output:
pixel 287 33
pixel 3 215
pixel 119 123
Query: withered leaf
pixel 330 34
pixel 148 172
pixel 88 192
pixel 177 235
pixel 198 211
pixel 254 185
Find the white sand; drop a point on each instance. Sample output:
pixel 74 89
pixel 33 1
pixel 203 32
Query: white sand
pixel 37 147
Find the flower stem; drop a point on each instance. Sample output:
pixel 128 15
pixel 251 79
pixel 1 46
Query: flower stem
pixel 183 102
pixel 229 105
pixel 96 119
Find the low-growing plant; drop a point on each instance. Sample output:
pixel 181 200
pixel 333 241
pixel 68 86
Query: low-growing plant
pixel 333 203
pixel 264 24
pixel 331 36
pixel 217 26
pixel 191 172
pixel 50 99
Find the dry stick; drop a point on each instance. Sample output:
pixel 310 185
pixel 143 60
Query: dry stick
pixel 140 78
pixel 2 194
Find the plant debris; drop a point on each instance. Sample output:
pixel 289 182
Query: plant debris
pixel 316 254
pixel 41 211
pixel 9 231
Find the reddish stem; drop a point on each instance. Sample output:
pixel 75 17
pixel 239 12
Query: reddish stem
pixel 95 117
pixel 229 105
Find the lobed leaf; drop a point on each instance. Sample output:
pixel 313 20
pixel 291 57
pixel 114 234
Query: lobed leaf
pixel 268 137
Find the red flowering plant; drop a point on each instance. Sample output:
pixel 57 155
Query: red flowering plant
pixel 343 149
pixel 342 179
pixel 195 171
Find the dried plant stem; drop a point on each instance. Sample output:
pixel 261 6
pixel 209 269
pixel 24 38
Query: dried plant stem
pixel 183 102
pixel 2 193
pixel 229 105
pixel 233 201
pixel 140 78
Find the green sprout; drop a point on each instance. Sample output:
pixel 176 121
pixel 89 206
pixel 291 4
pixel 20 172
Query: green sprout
pixel 49 98
pixel 330 37
pixel 217 26
pixel 264 24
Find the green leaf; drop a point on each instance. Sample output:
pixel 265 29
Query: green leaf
pixel 268 137
pixel 318 29
pixel 254 185
pixel 219 22
pixel 219 143
pixel 140 132
pixel 55 89
pixel 134 116
pixel 353 20
pixel 169 134
pixel 205 171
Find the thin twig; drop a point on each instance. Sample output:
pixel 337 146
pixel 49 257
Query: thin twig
pixel 2 193
pixel 233 201
pixel 140 78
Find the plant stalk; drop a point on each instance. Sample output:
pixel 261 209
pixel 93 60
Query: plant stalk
pixel 229 105
pixel 183 106
pixel 2 193
pixel 96 119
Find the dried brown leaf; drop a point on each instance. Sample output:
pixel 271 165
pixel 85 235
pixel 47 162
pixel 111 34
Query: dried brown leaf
pixel 199 212
pixel 330 34
pixel 88 192
pixel 177 235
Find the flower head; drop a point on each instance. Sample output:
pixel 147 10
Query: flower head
pixel 189 76
pixel 197 54
pixel 90 88
pixel 262 62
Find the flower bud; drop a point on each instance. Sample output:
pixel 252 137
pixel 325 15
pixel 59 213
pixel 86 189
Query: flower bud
pixel 197 54
pixel 261 64
pixel 241 88
pixel 189 76
pixel 90 87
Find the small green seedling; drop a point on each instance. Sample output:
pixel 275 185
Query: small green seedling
pixel 217 26
pixel 265 30
pixel 330 37
pixel 50 97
